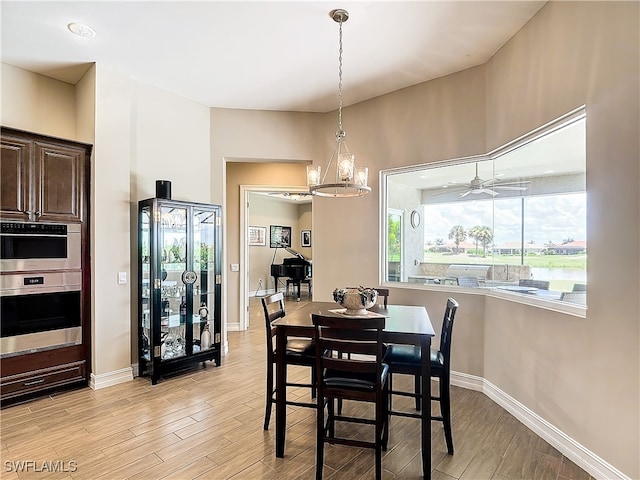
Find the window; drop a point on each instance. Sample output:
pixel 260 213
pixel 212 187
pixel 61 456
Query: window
pixel 513 220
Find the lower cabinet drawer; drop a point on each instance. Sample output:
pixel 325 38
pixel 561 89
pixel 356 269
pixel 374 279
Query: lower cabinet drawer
pixel 36 380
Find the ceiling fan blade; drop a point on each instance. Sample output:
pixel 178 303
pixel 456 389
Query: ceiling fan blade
pixel 446 191
pixel 520 182
pixel 465 193
pixel 489 191
pixel 509 188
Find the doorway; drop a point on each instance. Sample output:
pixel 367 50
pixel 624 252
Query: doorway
pixel 256 279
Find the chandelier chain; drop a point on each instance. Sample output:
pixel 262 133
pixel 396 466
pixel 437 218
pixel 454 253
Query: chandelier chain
pixel 349 180
pixel 340 129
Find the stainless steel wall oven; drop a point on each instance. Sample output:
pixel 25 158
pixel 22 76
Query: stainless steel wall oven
pixel 40 311
pixel 40 246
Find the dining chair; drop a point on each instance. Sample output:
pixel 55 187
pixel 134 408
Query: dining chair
pixel 540 284
pixel 468 282
pixel 299 351
pixel 406 360
pixel 361 379
pixel 383 293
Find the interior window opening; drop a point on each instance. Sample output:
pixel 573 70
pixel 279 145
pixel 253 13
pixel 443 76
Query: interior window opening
pixel 513 221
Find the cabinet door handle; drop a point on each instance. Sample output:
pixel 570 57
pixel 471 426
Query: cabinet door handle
pixel 34 382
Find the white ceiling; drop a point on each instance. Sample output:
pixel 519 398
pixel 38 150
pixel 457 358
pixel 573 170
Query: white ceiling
pixel 265 54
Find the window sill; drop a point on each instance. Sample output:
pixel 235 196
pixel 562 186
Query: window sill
pixel 522 298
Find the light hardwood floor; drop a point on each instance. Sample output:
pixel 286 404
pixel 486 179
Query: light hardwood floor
pixel 207 424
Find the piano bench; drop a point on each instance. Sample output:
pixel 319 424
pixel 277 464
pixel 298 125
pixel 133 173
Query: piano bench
pixel 298 283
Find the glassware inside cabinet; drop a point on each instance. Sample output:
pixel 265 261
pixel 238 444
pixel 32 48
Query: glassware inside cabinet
pixel 173 239
pixel 204 238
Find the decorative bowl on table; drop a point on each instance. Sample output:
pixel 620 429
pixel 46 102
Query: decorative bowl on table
pixel 355 300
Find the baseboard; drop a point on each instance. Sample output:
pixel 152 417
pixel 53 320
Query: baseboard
pixel 105 380
pixel 470 382
pixel 566 445
pixel 233 326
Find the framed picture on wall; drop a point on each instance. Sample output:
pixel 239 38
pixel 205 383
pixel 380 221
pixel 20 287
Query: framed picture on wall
pixel 279 236
pixel 257 236
pixel 305 238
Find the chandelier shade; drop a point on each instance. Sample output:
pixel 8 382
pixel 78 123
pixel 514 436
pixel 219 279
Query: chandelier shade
pixel 349 180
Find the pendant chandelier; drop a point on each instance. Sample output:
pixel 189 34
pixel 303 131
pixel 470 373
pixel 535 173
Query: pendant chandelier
pixel 349 181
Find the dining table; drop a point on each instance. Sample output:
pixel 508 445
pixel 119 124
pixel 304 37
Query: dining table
pixel 404 324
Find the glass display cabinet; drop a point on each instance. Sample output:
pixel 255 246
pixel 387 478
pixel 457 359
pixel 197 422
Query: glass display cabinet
pixel 179 285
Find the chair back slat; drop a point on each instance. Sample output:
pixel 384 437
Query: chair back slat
pixel 383 293
pixel 447 328
pixel 273 308
pixel 362 336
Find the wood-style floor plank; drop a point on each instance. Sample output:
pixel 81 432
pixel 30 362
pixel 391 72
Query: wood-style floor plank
pixel 207 424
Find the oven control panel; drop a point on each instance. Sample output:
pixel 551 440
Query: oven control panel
pixel 33 228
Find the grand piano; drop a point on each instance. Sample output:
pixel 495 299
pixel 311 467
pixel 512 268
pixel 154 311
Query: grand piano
pixel 296 269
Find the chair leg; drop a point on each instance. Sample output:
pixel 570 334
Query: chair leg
pixel 319 438
pixel 331 414
pixel 445 410
pixel 390 387
pixel 418 391
pixel 380 434
pixel 313 382
pixel 269 397
pixel 385 417
pixel 378 463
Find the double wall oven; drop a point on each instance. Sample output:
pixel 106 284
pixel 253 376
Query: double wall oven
pixel 40 287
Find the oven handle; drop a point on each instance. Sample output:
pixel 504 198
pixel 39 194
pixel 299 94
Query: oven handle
pixel 35 290
pixel 35 235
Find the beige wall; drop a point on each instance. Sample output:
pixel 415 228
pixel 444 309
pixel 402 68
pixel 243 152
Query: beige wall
pixel 560 366
pixel 111 225
pixel 37 103
pixel 580 375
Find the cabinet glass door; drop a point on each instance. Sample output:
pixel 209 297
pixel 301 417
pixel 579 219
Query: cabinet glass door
pixel 173 244
pixel 204 289
pixel 146 285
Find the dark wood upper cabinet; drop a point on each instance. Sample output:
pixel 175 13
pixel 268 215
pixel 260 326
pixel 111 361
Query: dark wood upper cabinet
pixel 43 179
pixel 15 163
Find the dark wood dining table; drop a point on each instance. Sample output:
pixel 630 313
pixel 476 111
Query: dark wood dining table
pixel 405 324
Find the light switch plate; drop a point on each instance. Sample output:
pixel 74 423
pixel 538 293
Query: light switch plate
pixel 235 267
pixel 122 278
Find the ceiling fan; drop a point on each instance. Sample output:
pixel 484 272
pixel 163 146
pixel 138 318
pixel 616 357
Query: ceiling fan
pixel 294 196
pixel 477 186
